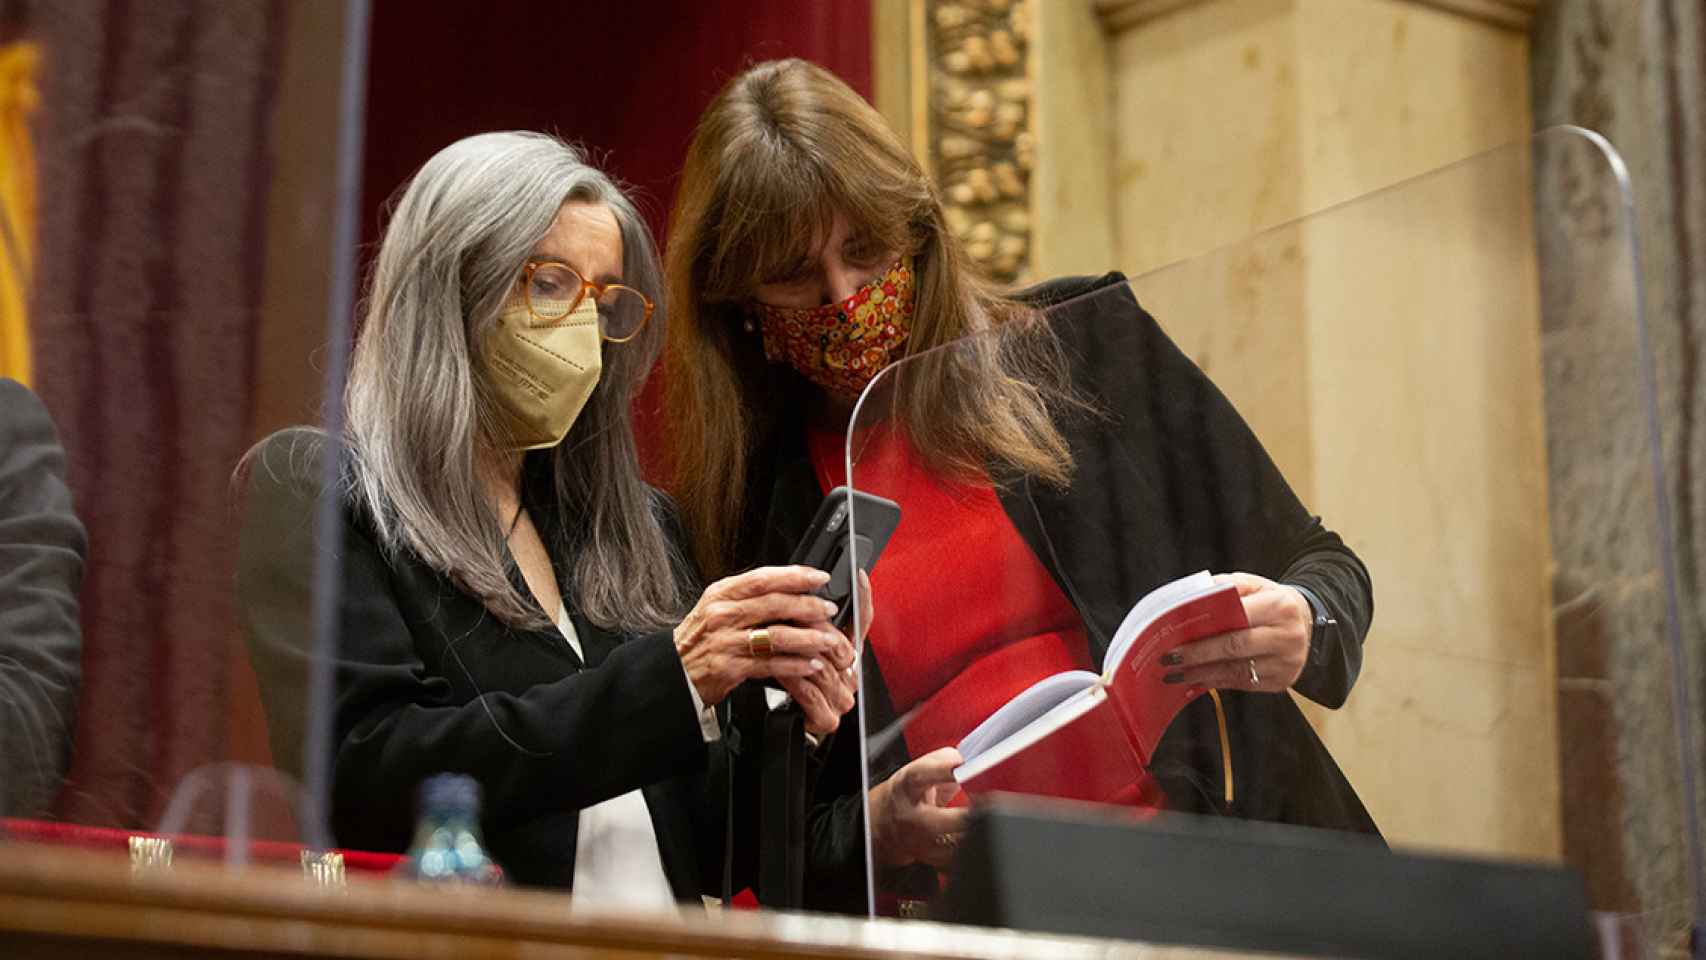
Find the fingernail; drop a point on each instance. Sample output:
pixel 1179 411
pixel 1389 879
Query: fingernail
pixel 829 608
pixel 821 576
pixel 1173 678
pixel 815 665
pixel 1172 659
pixel 1196 690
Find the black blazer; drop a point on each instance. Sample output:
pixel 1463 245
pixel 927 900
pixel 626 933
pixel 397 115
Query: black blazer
pixel 1166 460
pixel 428 681
pixel 42 547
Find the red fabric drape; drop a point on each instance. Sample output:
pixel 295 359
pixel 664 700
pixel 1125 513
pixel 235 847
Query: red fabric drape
pixel 152 149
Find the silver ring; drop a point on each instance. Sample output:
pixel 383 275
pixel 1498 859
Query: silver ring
pixel 1254 680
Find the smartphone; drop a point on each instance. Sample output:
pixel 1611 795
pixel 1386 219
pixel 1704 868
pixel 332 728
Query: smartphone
pixel 825 544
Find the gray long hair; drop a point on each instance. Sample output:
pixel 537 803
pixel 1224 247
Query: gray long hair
pixel 420 415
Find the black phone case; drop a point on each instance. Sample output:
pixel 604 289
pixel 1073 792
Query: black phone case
pixel 824 545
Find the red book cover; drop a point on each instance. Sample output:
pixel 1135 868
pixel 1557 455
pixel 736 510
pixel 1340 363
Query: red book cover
pixel 1134 683
pixel 1088 756
pixel 1078 736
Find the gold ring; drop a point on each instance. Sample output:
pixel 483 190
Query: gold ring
pixel 758 642
pixel 947 841
pixel 1254 680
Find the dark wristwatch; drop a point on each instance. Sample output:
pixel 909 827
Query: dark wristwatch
pixel 1322 622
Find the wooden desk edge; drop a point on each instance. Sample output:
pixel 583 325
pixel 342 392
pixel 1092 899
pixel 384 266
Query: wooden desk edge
pixel 50 894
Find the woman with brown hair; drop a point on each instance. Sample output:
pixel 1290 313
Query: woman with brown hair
pixel 809 251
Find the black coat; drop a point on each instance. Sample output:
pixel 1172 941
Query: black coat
pixel 42 549
pixel 1170 465
pixel 427 680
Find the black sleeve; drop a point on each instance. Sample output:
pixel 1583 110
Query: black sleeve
pixel 1260 522
pixel 835 831
pixel 42 548
pixel 564 744
pixel 1340 584
pixel 1183 445
pixel 835 836
pixel 567 744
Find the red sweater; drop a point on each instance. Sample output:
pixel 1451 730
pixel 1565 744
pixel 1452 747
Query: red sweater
pixel 966 616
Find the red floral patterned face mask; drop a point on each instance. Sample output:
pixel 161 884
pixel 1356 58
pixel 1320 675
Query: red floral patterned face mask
pixel 842 346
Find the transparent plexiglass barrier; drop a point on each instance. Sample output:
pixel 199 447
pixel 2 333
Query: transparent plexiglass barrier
pixel 1356 524
pixel 183 291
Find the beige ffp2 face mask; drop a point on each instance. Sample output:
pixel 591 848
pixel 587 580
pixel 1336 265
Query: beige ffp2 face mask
pixel 542 374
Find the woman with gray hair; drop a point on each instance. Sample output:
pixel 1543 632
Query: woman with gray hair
pixel 517 604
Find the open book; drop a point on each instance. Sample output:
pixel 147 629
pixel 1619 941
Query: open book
pixel 1086 737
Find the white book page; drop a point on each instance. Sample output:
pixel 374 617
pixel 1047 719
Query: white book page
pixel 1156 602
pixel 1062 714
pixel 1039 698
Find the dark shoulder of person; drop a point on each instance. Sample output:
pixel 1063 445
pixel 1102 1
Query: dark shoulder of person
pixel 292 458
pixel 1060 291
pixel 35 501
pixel 42 551
pixel 280 479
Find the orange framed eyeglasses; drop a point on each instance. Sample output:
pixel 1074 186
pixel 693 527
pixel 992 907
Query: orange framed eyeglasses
pixel 553 290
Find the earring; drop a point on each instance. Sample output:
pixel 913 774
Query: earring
pixel 751 325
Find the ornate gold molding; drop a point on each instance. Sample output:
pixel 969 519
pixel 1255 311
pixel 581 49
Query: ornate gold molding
pixel 979 143
pixel 1118 15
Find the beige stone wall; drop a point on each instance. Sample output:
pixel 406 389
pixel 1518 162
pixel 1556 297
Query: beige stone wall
pixel 1235 115
pixel 1386 352
pixel 1400 391
pixel 1401 358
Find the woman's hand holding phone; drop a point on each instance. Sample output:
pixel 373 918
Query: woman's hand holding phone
pixel 719 639
pixel 825 696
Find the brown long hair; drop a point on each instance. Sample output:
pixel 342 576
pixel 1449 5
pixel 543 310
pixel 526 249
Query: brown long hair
pixel 783 148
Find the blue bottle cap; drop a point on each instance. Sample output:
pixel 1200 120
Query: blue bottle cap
pixel 447 793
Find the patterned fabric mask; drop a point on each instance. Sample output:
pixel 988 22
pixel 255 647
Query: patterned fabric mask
pixel 842 346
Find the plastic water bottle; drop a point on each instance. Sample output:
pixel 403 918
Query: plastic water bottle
pixel 447 847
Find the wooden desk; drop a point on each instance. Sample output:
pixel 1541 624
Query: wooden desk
pixel 68 903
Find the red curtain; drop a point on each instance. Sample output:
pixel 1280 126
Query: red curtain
pixel 153 152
